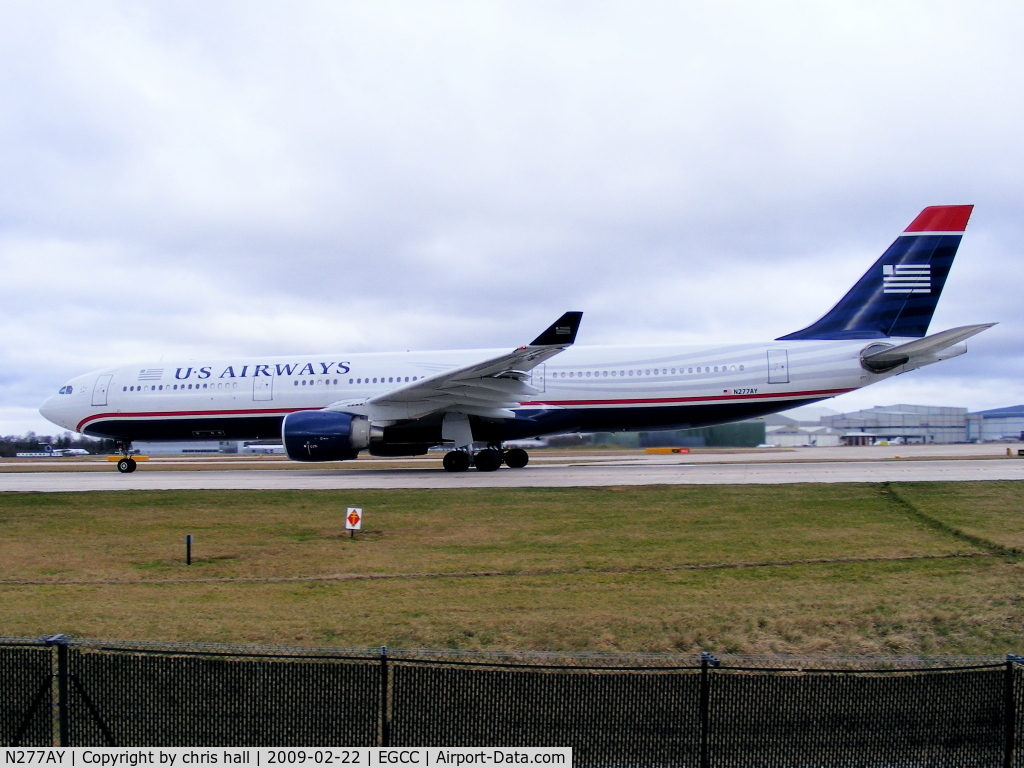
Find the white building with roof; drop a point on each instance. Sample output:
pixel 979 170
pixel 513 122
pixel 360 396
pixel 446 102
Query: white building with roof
pixel 996 424
pixel 906 423
pixel 795 436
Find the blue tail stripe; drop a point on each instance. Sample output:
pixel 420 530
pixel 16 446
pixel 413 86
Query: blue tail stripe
pixel 896 297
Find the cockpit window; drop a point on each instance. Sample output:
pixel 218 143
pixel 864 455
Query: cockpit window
pixel 65 390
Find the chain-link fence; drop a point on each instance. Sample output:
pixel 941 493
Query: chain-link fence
pixel 638 709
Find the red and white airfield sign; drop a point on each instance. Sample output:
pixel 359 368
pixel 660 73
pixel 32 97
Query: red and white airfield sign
pixel 354 518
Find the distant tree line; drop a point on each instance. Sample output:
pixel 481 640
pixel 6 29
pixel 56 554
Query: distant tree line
pixel 30 442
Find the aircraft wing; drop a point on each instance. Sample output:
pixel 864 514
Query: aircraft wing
pixel 489 388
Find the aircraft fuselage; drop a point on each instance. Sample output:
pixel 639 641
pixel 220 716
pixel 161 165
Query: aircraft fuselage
pixel 587 388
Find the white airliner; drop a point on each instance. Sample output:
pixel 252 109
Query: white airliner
pixel 331 407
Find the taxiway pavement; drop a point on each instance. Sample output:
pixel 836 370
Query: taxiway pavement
pixel 591 469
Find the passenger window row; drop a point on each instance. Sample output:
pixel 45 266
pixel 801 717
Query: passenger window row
pixel 234 385
pixel 400 379
pixel 173 387
pixel 381 379
pixel 384 380
pixel 645 372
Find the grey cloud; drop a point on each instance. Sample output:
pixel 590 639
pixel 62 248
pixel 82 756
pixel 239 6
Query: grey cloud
pixel 191 179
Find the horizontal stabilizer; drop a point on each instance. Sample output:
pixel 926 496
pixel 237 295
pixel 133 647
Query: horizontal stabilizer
pixel 880 360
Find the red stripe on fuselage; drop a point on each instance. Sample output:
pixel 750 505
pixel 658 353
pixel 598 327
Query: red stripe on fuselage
pixel 633 401
pixel 172 414
pixel 705 399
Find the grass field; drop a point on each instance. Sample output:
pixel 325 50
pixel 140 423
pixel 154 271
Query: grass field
pixel 918 568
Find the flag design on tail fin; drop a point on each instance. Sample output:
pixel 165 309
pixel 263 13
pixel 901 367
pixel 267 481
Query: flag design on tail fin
pixel 898 295
pixel 907 278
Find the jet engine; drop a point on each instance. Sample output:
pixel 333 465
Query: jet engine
pixel 324 435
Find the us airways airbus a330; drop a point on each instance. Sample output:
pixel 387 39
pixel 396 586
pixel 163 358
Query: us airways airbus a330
pixel 331 407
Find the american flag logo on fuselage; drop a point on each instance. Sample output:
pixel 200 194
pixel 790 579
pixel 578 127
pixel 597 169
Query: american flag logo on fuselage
pixel 906 278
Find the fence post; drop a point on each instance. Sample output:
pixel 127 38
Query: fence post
pixel 1009 710
pixel 61 642
pixel 706 661
pixel 385 736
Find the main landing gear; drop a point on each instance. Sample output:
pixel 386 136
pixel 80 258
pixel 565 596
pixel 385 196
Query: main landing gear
pixel 516 458
pixel 126 464
pixel 487 460
pixel 457 461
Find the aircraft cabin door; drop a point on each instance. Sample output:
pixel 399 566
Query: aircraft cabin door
pixel 99 392
pixel 538 376
pixel 778 366
pixel 263 388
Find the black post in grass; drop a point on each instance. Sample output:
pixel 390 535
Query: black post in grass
pixel 188 549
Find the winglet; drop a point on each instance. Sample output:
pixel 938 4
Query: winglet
pixel 561 333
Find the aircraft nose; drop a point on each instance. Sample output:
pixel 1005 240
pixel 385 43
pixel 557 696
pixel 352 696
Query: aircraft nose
pixel 54 410
pixel 48 410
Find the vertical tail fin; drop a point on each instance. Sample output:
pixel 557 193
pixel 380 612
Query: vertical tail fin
pixel 897 296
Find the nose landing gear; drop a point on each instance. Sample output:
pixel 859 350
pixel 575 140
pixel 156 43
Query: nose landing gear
pixel 126 464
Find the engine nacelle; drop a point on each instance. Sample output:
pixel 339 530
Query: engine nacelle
pixel 324 435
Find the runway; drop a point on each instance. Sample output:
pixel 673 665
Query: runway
pixel 586 469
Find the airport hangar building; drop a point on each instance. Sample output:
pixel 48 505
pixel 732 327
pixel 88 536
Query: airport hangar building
pixel 909 423
pixel 996 424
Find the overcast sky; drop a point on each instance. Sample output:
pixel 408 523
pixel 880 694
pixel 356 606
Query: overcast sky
pixel 192 179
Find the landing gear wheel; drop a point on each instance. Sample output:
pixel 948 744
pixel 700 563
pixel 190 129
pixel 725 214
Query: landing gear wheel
pixel 126 466
pixel 487 460
pixel 516 458
pixel 456 461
